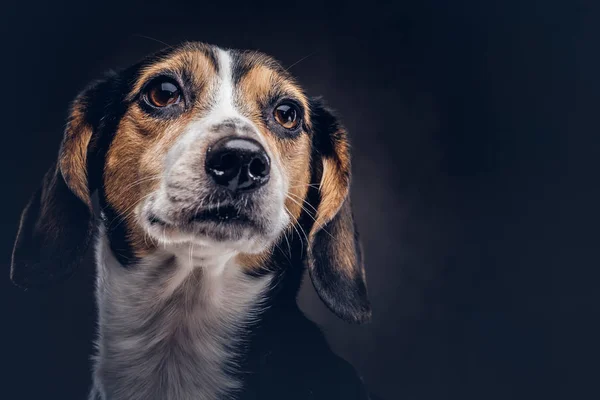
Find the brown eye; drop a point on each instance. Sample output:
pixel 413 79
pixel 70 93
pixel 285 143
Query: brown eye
pixel 286 115
pixel 163 93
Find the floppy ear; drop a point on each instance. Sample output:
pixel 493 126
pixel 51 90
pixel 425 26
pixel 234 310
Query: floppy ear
pixel 57 224
pixel 334 256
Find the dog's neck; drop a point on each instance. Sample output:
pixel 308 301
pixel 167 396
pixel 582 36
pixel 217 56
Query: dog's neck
pixel 170 326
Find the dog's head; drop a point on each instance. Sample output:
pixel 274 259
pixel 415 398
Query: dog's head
pixel 197 144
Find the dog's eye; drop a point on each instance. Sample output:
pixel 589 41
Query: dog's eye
pixel 163 92
pixel 286 115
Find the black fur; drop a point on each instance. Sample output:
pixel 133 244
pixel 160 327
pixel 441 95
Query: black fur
pixel 287 355
pixel 345 296
pixel 55 231
pixel 104 113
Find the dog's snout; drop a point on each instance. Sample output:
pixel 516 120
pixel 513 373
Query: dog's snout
pixel 239 164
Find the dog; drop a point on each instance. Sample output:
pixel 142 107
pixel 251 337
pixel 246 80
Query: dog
pixel 219 182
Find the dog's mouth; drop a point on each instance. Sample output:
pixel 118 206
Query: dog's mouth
pixel 226 223
pixel 237 222
pixel 222 215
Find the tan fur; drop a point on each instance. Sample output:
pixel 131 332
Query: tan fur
pixel 333 191
pixel 253 262
pixel 73 157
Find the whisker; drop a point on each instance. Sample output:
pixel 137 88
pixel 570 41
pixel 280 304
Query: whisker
pixel 296 225
pixel 300 60
pixel 293 225
pixel 305 235
pixel 283 252
pixel 302 207
pixel 313 185
pixel 134 184
pixel 322 228
pixel 127 213
pixel 140 181
pixel 289 245
pixel 153 39
pixel 303 201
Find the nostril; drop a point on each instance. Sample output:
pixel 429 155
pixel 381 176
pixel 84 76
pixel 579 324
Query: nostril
pixel 258 168
pixel 227 161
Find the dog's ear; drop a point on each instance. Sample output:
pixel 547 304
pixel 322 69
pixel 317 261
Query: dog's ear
pixel 57 225
pixel 334 255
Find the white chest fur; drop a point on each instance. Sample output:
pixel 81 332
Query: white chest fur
pixel 168 327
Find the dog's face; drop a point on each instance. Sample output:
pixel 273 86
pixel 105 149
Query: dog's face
pixel 201 145
pixel 214 147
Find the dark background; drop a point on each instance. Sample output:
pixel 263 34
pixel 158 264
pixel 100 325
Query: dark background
pixel 475 133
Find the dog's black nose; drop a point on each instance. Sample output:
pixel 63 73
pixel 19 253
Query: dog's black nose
pixel 239 164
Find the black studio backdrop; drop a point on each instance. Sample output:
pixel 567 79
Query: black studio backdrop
pixel 475 134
